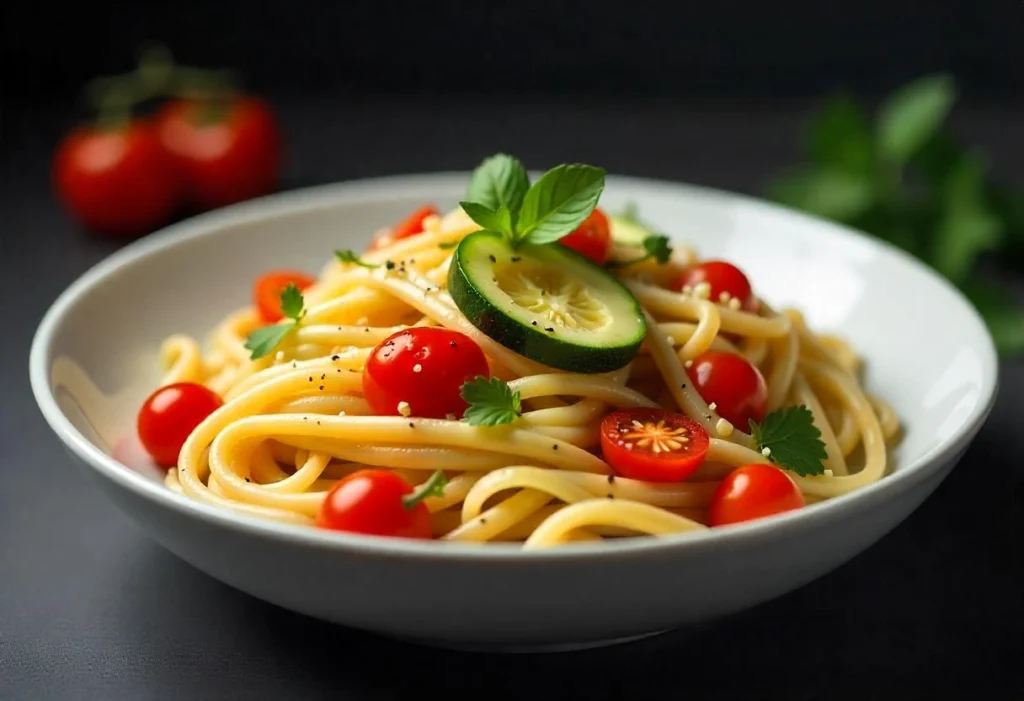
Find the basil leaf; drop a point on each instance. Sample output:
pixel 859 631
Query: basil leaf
pixel 500 220
pixel 840 138
pixel 830 194
pixel 968 226
pixel 559 202
pixel 912 115
pixel 500 181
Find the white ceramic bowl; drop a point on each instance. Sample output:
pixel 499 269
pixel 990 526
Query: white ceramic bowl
pixel 94 359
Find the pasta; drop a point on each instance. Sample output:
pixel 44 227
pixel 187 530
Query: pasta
pixel 297 421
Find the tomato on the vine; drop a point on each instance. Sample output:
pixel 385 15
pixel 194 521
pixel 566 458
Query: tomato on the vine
pixel 226 150
pixel 733 384
pixel 116 180
pixel 378 502
pixel 421 370
pixel 170 414
pixel 721 277
pixel 653 444
pixel 751 492
pixel 267 291
pixel 592 238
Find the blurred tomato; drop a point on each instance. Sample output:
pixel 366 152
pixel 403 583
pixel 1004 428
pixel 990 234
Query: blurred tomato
pixel 226 151
pixel 117 181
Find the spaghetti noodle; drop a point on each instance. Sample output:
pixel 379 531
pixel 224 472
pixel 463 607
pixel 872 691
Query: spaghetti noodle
pixel 296 421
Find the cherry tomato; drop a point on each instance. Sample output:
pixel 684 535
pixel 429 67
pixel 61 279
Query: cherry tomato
pixel 410 226
pixel 373 502
pixel 736 387
pixel 170 414
pixel 116 181
pixel 592 238
pixel 753 491
pixel 225 152
pixel 268 288
pixel 721 277
pixel 424 366
pixel 653 444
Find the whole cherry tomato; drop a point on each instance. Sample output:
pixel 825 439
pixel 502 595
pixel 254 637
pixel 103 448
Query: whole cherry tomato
pixel 753 491
pixel 423 367
pixel 721 276
pixel 378 502
pixel 116 181
pixel 226 151
pixel 592 238
pixel 170 414
pixel 733 384
pixel 652 444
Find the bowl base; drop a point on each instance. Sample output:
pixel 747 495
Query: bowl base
pixel 512 649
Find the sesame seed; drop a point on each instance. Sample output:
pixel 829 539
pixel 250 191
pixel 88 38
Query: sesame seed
pixel 734 304
pixel 723 428
pixel 417 368
pixel 670 340
pixel 688 364
pixel 724 297
pixel 687 289
pixel 342 413
pixel 702 290
pixel 828 472
pixel 713 406
pixel 279 356
pixel 766 451
pixel 404 409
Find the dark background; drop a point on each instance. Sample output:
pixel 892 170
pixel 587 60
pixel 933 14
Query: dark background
pixel 713 93
pixel 724 48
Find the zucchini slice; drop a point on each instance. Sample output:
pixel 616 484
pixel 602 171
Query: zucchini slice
pixel 547 303
pixel 627 232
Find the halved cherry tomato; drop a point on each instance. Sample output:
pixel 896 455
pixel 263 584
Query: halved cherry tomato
pixel 425 367
pixel 592 238
pixel 116 181
pixel 736 387
pixel 721 277
pixel 268 288
pixel 170 414
pixel 753 491
pixel 374 502
pixel 654 445
pixel 410 226
pixel 226 152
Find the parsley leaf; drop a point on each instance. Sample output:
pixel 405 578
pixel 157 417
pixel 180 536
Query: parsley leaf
pixel 657 247
pixel 793 439
pixel 491 402
pixel 350 257
pixel 499 220
pixel 264 339
pixel 433 487
pixel 500 181
pixel 912 115
pixel 559 202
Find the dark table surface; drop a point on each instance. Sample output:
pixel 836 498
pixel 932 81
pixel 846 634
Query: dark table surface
pixel 90 608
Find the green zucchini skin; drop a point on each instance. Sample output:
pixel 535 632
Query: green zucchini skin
pixel 494 316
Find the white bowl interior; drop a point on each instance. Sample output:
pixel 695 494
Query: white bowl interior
pixel 927 351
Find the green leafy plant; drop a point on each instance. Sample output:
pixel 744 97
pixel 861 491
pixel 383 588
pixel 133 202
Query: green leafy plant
pixel 905 179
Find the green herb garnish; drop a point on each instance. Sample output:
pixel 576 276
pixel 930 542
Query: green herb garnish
pixel 656 247
pixel 264 339
pixel 348 256
pixel 906 180
pixel 491 402
pixel 793 441
pixel 501 199
pixel 433 487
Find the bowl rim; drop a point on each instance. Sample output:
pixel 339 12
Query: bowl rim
pixel 403 186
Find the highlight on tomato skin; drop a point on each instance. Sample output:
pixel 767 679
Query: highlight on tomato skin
pixel 267 291
pixel 170 414
pixel 751 492
pixel 733 384
pixel 375 502
pixel 419 371
pixel 653 444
